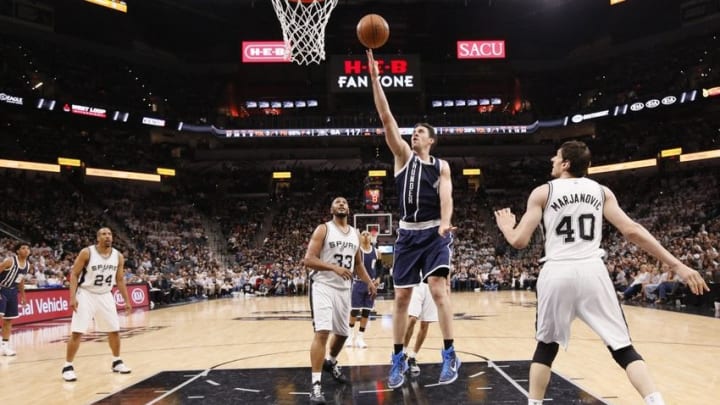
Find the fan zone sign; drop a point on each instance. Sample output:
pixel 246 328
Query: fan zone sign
pixel 396 73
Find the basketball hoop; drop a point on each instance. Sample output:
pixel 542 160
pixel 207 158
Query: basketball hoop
pixel 303 24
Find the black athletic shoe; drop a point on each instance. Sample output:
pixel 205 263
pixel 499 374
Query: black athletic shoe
pixel 335 370
pixel 414 368
pixel 316 395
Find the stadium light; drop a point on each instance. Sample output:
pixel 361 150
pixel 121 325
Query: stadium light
pixel 634 164
pixel 708 154
pixel 23 165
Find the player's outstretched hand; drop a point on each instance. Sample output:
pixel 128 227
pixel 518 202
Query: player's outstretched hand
pixel 372 64
pixel 692 279
pixel 505 219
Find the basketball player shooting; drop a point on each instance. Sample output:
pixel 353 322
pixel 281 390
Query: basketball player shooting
pixel 423 249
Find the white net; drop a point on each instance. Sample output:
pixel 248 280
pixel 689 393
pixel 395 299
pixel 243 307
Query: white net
pixel 303 24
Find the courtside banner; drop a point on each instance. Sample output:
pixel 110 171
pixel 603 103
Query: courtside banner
pixel 493 49
pixel 43 305
pixel 138 296
pixel 264 52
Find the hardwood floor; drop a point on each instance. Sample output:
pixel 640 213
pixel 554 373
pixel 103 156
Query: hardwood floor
pixel 682 350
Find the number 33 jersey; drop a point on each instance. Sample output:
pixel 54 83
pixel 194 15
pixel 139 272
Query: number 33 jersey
pixel 99 275
pixel 339 248
pixel 572 219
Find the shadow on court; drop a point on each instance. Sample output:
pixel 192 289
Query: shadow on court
pixel 479 383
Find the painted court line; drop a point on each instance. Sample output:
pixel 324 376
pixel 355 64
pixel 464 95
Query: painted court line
pixel 203 373
pixel 507 377
pixel 211 382
pixel 477 374
pixel 246 389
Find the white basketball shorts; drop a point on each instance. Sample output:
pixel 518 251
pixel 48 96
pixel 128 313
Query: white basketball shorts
pixel 98 306
pixel 422 305
pixel 582 289
pixel 330 309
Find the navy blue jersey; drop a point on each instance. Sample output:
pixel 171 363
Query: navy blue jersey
pixel 360 299
pixel 417 186
pixel 369 260
pixel 10 277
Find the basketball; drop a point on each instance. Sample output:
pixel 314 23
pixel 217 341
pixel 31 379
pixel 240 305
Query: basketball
pixel 373 31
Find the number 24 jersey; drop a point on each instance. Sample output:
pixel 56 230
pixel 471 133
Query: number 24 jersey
pixel 99 275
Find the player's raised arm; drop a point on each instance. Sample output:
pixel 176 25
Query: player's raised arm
pixel 519 236
pixel 400 149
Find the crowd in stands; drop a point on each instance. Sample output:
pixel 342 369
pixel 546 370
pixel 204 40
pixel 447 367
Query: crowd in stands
pixel 164 236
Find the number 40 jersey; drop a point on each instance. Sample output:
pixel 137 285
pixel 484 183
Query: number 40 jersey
pixel 99 275
pixel 572 219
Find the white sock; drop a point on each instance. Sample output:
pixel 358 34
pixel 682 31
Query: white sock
pixel 68 363
pixel 4 343
pixel 412 354
pixel 654 399
pixel 114 359
pixel 534 401
pixel 316 377
pixel 360 334
pixel 332 359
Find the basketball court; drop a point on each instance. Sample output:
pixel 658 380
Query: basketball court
pixel 256 350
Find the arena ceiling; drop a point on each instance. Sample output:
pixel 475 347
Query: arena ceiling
pixel 416 25
pixel 534 29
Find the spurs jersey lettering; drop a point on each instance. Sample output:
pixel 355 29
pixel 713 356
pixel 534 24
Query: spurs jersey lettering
pixel 99 275
pixel 338 248
pixel 573 219
pixel 417 185
pixel 369 259
pixel 12 276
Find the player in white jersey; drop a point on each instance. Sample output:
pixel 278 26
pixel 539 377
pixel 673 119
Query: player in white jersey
pixel 574 281
pixel 422 307
pixel 96 269
pixel 332 255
